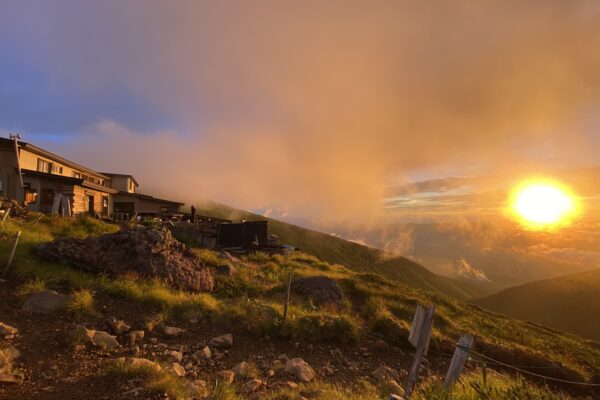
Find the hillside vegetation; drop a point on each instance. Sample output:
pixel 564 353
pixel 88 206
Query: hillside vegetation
pixel 570 303
pixel 355 256
pixel 251 301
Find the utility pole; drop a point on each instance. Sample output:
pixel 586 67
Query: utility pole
pixel 16 137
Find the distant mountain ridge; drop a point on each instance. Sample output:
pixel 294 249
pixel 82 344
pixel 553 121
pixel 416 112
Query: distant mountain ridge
pixel 355 256
pixel 570 303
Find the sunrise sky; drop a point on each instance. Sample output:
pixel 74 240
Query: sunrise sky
pixel 316 114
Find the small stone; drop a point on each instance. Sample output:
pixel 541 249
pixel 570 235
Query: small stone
pixel 99 339
pixel 118 326
pixel 135 363
pixel 7 329
pixel 178 369
pixel 203 354
pixel 135 336
pixel 172 331
pixel 252 386
pixel 270 373
pixel 291 385
pixel 300 370
pixel 226 376
pixel 395 388
pixel 223 341
pixel 174 356
pixel 243 370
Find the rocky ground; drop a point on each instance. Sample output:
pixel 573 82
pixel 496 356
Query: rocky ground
pixel 53 365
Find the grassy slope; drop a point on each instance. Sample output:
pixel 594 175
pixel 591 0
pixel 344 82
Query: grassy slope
pixel 570 303
pixel 355 256
pixel 253 299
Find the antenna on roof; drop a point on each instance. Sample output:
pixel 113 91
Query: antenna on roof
pixel 16 137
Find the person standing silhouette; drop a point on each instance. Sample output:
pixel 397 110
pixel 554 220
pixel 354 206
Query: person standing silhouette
pixel 193 213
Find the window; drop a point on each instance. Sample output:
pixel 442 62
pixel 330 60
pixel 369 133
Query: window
pixel 47 196
pixel 30 196
pixel 76 175
pixel 44 166
pixel 57 169
pixel 130 184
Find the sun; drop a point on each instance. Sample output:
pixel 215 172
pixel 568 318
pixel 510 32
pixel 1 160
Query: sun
pixel 543 204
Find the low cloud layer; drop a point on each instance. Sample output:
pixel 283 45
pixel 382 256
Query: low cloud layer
pixel 312 108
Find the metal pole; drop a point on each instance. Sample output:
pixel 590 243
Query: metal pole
pixel 12 254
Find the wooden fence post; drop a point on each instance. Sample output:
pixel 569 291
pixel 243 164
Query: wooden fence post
pixel 458 360
pixel 484 373
pixel 12 254
pixel 287 299
pixel 6 212
pixel 420 335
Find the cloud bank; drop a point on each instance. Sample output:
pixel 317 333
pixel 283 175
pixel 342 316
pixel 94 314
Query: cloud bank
pixel 313 108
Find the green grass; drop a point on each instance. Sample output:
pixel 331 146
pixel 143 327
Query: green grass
pixel 253 299
pixel 82 303
pixel 31 286
pixel 155 380
pixel 497 387
pixel 224 391
pixel 354 256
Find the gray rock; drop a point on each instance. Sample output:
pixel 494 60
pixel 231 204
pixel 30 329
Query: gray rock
pixel 300 370
pixel 320 289
pixel 223 341
pixel 46 302
pixel 147 252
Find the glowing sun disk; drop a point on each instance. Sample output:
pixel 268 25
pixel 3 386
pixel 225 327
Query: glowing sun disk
pixel 543 204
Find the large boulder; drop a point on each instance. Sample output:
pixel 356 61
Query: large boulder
pixel 147 252
pixel 320 289
pixel 46 302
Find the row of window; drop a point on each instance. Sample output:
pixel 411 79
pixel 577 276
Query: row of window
pixel 51 168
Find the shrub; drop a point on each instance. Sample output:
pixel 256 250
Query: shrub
pixel 82 303
pixel 31 286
